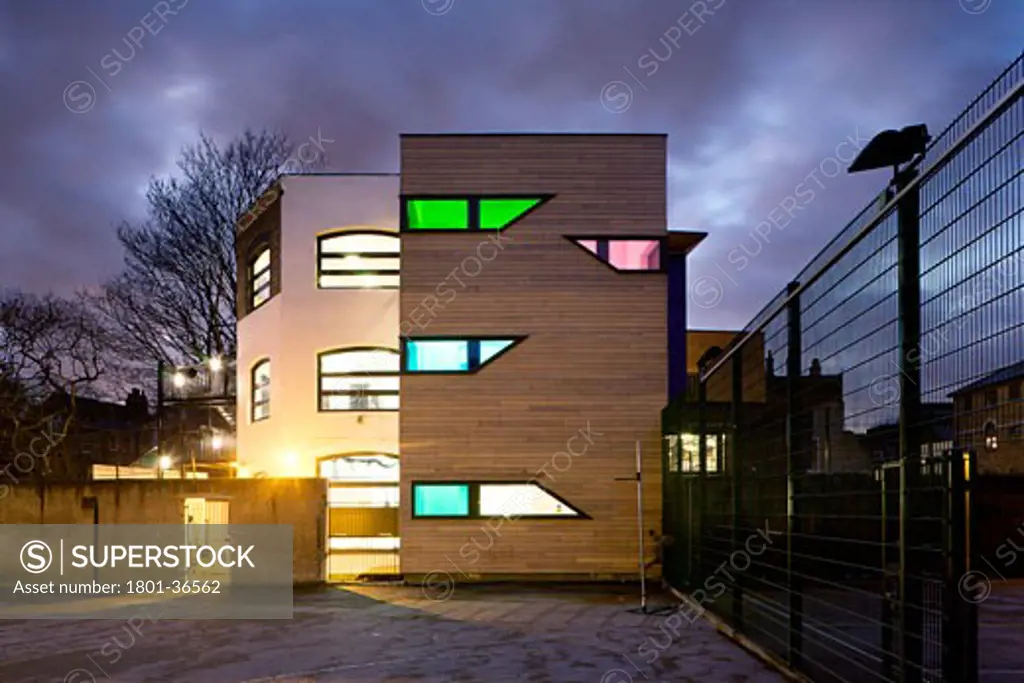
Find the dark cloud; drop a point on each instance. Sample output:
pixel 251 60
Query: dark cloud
pixel 754 97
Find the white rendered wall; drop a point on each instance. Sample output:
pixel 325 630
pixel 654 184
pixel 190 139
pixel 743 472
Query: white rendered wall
pixel 302 320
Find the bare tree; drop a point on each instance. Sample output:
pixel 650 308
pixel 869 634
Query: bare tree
pixel 48 347
pixel 175 299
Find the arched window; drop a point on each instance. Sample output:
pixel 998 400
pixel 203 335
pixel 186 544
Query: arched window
pixel 991 436
pixel 377 468
pixel 260 390
pixel 359 379
pixel 259 278
pixel 366 259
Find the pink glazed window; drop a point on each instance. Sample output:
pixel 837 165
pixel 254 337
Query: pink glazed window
pixel 626 254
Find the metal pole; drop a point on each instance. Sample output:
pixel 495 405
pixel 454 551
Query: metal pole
pixel 159 408
pixel 908 296
pixel 794 449
pixel 640 530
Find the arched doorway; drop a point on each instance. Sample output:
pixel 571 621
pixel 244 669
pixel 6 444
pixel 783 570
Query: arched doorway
pixel 362 502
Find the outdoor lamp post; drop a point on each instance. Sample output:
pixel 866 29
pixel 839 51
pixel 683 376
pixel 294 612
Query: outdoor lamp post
pixel 891 149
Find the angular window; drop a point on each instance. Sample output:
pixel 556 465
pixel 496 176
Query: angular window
pixel 358 260
pixel 479 500
pixel 495 214
pixel 521 500
pixel 358 379
pixel 259 279
pixel 452 355
pixel 440 500
pixel 467 212
pixel 260 382
pixel 626 255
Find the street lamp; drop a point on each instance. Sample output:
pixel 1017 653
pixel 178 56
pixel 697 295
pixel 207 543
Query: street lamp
pixel 178 379
pixel 216 442
pixel 216 364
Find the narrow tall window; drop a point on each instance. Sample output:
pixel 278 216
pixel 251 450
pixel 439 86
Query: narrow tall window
pixel 259 278
pixel 358 260
pixel 261 391
pixel 359 379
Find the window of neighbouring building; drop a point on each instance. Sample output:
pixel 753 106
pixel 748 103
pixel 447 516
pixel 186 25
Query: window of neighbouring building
pixel 991 436
pixel 690 452
pixel 358 379
pixel 452 355
pixel 358 260
pixel 261 390
pixel 991 397
pixel 1015 391
pixel 259 278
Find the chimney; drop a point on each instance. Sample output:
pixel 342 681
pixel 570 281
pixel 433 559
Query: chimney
pixel 815 368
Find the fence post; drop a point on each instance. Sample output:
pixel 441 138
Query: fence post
pixel 908 294
pixel 737 481
pixel 794 354
pixel 696 562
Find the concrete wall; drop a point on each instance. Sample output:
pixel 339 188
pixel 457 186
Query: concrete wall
pixel 303 320
pixel 296 502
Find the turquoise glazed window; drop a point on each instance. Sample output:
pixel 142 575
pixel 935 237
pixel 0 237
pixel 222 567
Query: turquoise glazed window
pixel 440 500
pixel 452 355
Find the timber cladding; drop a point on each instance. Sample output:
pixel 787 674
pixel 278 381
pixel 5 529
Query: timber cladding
pixel 566 405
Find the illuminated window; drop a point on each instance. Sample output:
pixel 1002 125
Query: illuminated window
pixel 358 260
pixel 487 500
pixel 452 355
pixel 261 391
pixel 690 453
pixel 521 500
pixel 362 497
pixel 628 255
pixel 466 212
pixel 361 467
pixel 991 436
pixel 259 279
pixel 359 379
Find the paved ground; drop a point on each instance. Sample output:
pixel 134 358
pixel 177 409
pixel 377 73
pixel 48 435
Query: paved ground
pixel 391 634
pixel 1001 634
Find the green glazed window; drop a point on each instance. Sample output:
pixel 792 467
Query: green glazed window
pixel 437 214
pixel 495 214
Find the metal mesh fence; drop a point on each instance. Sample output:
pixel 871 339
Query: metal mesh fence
pixel 817 487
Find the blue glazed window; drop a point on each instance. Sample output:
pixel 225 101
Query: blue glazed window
pixel 440 500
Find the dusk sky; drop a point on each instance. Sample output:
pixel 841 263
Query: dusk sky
pixel 754 97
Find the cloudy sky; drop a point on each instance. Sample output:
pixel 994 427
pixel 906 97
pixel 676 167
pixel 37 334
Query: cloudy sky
pixel 756 96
